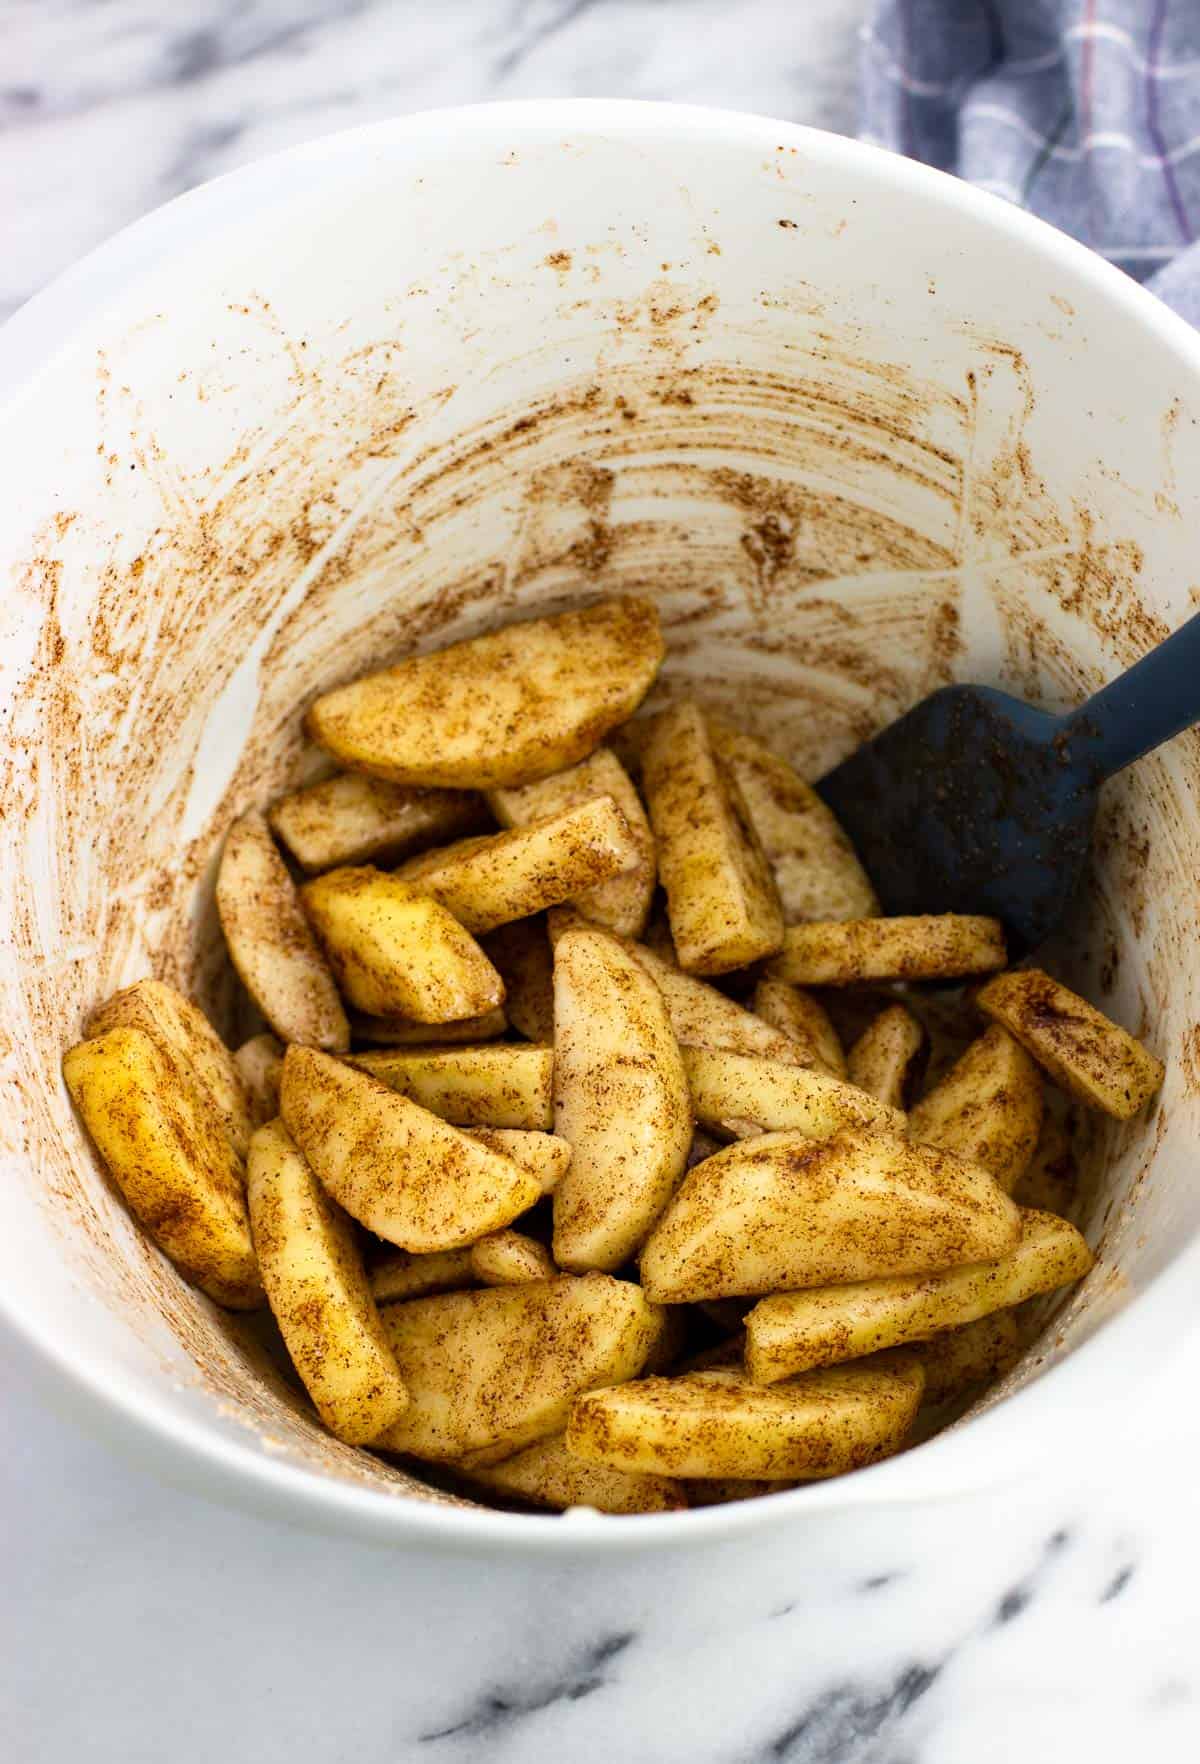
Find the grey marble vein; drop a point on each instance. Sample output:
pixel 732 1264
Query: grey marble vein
pixel 1020 1595
pixel 495 1711
pixel 852 1720
pixel 1120 1580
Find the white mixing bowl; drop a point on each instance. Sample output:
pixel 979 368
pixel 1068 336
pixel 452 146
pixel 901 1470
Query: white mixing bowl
pixel 858 428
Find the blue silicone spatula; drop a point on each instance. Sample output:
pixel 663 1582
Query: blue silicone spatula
pixel 974 802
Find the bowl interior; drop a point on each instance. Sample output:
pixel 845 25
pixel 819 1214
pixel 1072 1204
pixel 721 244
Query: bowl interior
pixel 858 432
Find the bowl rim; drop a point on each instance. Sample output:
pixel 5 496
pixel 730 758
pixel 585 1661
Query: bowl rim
pixel 1041 1418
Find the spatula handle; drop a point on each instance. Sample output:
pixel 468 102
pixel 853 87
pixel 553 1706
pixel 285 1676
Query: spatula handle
pixel 1155 699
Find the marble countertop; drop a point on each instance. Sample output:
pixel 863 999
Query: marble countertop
pixel 1053 1618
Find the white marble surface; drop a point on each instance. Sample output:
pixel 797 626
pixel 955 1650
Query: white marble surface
pixel 1057 1618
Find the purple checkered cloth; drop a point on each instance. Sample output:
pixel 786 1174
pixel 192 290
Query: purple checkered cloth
pixel 1086 112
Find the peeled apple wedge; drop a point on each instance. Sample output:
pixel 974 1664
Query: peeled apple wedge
pixel 349 819
pixel 544 1155
pixel 621 904
pixel 801 1017
pixel 394 949
pixel 271 943
pixel 885 1058
pixel 319 1293
pixel 402 1172
pixel 718 1424
pixel 1086 1053
pixel 780 1212
pixel 721 897
pixel 740 1093
pixel 701 1016
pixel 506 1258
pixel 931 946
pixel 502 1258
pixel 988 1108
pixel 503 876
pixel 497 1084
pixel 502 709
pixel 190 1042
pixel 620 1101
pixel 793 1331
pixel 548 1475
pixel 816 868
pixel 404 1276
pixel 489 1372
pixel 171 1159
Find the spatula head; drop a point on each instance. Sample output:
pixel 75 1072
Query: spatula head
pixel 972 802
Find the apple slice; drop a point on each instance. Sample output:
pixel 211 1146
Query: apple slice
pixel 779 1212
pixel 394 950
pixel 404 1173
pixel 504 708
pixel 721 897
pixel 718 1424
pixel 318 1291
pixel 987 1109
pixel 489 1372
pixel 794 1331
pixel 620 1100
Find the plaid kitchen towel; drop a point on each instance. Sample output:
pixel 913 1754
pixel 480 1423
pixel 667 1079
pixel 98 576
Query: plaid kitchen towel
pixel 1086 112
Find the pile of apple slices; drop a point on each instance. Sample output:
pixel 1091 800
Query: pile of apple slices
pixel 583 1201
